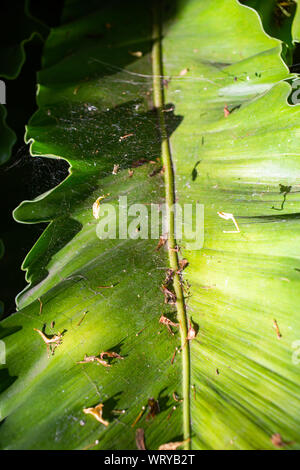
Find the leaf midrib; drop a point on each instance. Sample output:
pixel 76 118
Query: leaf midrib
pixel 158 99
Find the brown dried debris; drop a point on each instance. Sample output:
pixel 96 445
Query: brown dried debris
pixel 96 205
pixel 169 276
pixel 139 332
pixel 138 416
pixel 226 111
pixel 170 297
pixel 153 408
pixel 177 249
pixel 136 53
pixel 138 163
pixel 172 445
pixel 88 359
pixel 100 360
pixel 192 332
pixel 275 324
pixel 166 321
pixel 183 72
pixel 174 354
pixel 176 398
pixel 277 441
pixel 51 342
pixel 156 171
pixel 183 263
pixel 97 412
pixel 110 354
pixel 171 412
pixel 124 137
pixel 115 169
pixel 161 242
pixel 82 318
pixel 140 439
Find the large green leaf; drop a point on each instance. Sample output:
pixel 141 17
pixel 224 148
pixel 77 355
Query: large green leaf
pixel 94 90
